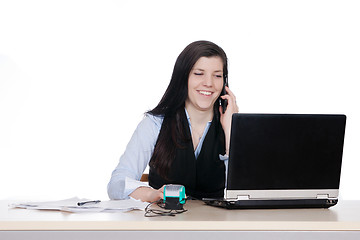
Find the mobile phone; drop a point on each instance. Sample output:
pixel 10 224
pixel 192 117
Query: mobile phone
pixel 223 102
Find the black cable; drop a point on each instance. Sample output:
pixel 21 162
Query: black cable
pixel 159 212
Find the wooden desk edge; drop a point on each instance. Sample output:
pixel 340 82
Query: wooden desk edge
pixel 176 226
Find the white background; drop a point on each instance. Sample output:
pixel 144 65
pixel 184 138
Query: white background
pixel 77 76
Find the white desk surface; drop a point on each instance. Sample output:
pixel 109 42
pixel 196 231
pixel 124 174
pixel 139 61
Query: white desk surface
pixel 345 216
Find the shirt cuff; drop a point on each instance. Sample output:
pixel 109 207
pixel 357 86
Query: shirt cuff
pixel 132 184
pixel 224 157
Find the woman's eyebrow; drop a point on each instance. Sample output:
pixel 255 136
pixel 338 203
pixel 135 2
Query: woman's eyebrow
pixel 200 69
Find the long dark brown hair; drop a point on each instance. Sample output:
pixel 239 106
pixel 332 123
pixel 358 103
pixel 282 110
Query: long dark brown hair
pixel 172 104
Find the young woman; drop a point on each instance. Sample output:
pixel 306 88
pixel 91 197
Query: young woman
pixel 185 138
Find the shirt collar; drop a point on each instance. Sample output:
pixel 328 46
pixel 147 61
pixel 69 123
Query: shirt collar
pixel 187 115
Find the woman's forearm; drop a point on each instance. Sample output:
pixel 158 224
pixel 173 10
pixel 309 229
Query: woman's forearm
pixel 147 194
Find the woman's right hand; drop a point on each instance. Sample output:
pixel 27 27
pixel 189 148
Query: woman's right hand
pixel 148 194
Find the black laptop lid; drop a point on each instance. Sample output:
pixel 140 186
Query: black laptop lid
pixel 285 151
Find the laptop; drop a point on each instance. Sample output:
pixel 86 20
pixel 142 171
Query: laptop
pixel 283 161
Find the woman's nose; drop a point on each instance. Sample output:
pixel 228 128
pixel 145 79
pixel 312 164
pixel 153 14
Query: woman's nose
pixel 208 81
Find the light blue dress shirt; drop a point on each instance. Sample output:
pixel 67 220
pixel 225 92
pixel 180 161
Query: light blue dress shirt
pixel 126 176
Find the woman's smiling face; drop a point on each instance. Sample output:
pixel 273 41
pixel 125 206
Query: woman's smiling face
pixel 205 83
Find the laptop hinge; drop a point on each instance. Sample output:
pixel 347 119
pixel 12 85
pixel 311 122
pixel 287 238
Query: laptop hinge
pixel 322 196
pixel 243 197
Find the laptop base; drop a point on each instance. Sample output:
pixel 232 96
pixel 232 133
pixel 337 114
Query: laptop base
pixel 272 204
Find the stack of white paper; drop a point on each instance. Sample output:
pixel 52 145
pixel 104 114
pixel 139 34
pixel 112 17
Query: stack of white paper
pixel 71 205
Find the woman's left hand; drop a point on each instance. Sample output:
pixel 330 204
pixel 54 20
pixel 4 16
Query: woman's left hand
pixel 226 117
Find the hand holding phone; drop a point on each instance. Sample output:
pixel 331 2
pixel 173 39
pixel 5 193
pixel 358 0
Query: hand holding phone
pixel 229 107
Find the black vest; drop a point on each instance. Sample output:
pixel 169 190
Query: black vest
pixel 203 177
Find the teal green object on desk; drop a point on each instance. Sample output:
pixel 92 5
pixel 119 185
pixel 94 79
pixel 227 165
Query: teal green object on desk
pixel 174 196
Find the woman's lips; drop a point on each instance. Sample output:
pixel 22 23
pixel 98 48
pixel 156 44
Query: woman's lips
pixel 205 93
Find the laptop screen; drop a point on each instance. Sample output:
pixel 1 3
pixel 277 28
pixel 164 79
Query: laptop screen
pixel 285 151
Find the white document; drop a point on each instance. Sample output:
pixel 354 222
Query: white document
pixel 71 205
pixel 109 206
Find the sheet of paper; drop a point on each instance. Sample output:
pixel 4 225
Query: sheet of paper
pixel 49 205
pixel 70 205
pixel 109 206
